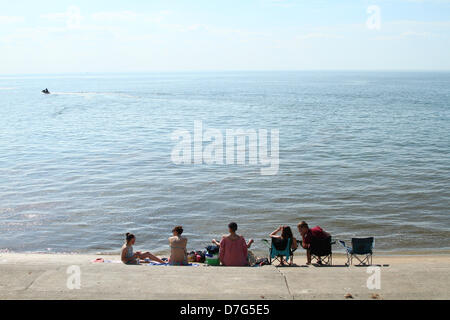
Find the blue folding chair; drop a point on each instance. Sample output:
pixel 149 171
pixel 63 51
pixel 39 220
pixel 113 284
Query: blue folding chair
pixel 277 255
pixel 360 247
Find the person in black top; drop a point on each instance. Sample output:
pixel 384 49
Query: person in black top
pixel 280 241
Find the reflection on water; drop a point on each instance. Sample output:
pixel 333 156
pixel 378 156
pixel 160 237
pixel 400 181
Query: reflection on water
pixel 360 154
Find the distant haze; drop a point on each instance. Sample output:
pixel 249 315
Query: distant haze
pixel 110 36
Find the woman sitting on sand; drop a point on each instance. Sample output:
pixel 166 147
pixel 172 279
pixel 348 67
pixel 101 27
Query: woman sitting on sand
pixel 233 248
pixel 127 255
pixel 178 253
pixel 280 241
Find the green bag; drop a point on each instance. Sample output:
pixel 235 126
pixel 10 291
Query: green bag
pixel 212 260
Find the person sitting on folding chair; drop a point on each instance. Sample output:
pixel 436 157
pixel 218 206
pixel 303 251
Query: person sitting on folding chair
pixel 307 236
pixel 280 241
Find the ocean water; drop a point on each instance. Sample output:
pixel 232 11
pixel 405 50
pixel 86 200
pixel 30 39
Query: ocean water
pixel 361 154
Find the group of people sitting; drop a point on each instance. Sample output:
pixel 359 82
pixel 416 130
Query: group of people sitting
pixel 233 249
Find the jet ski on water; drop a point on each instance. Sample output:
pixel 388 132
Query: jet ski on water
pixel 45 91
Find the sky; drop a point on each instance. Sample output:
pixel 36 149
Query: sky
pixel 59 36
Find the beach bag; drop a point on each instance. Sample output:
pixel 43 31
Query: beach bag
pixel 192 257
pixel 262 261
pixel 251 258
pixel 200 256
pixel 212 249
pixel 212 259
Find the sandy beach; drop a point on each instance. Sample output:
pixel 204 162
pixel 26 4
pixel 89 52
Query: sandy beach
pixel 45 276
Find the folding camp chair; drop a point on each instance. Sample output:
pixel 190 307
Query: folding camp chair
pixel 321 250
pixel 277 255
pixel 360 247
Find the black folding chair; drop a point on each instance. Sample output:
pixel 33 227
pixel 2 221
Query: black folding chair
pixel 321 251
pixel 360 247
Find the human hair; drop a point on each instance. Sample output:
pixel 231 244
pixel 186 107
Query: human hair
pixel 129 237
pixel 302 224
pixel 287 233
pixel 178 229
pixel 233 226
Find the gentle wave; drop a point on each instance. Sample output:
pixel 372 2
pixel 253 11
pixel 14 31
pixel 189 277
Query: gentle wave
pixel 361 154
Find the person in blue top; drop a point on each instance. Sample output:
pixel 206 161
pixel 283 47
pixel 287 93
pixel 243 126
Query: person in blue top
pixel 129 257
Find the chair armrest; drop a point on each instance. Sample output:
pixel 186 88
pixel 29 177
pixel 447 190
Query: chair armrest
pixel 267 243
pixel 348 249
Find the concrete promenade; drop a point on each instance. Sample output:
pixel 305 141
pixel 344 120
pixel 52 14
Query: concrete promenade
pixel 44 276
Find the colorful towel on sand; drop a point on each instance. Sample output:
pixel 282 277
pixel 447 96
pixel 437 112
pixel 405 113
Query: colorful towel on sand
pixel 151 263
pixel 101 260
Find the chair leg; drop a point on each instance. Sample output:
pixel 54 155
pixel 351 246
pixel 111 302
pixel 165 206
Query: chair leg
pixel 364 261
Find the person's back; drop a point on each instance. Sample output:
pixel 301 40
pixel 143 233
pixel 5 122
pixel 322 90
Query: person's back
pixel 317 233
pixel 233 251
pixel 280 243
pixel 178 254
pixel 126 252
pixel 129 252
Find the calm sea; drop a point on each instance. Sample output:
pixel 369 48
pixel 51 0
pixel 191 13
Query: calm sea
pixel 361 154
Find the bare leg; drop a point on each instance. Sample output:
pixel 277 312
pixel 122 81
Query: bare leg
pixel 308 256
pixel 150 256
